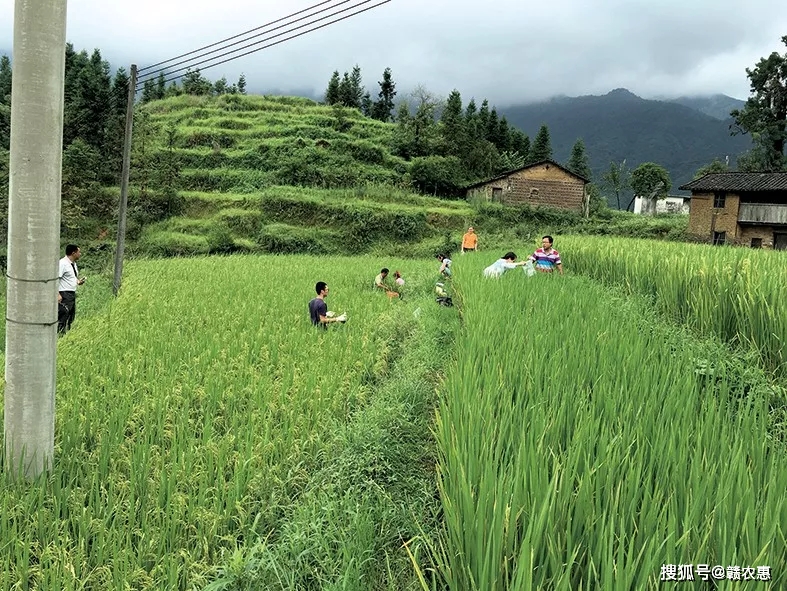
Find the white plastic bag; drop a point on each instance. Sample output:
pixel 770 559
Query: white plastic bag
pixel 529 269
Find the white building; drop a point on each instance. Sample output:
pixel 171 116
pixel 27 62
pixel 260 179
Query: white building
pixel 670 204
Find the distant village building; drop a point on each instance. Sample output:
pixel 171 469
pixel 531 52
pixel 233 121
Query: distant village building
pixel 545 183
pixel 743 208
pixel 678 204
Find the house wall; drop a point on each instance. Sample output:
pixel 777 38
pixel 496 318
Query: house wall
pixel 543 185
pixel 704 219
pixel 763 232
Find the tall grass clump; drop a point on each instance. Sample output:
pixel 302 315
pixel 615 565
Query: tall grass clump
pixel 584 444
pixel 735 294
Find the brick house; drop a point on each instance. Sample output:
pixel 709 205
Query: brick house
pixel 744 208
pixel 545 183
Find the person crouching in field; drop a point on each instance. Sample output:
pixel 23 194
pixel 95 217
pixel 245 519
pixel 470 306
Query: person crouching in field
pixel 503 264
pixel 318 309
pixel 445 266
pixel 381 284
pixel 546 258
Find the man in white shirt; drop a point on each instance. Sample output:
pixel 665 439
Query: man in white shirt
pixel 68 279
pixel 502 265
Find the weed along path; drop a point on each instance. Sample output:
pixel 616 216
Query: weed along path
pixel 585 443
pixel 209 437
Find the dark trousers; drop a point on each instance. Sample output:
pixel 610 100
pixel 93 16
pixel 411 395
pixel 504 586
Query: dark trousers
pixel 66 310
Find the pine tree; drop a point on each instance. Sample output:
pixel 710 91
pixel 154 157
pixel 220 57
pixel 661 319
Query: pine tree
pixel 542 146
pixel 356 88
pixel 483 117
pixel 520 143
pixel 367 105
pixel 505 135
pixel 148 91
pixel 492 131
pixel 452 128
pixel 579 163
pixel 241 85
pixel 161 86
pixel 346 95
pixel 220 86
pixel 332 93
pixel 384 105
pixel 116 126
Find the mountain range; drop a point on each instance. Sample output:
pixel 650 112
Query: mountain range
pixel 681 134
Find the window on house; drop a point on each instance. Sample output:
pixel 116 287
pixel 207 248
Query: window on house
pixel 719 238
pixel 756 242
pixel 497 193
pixel 719 199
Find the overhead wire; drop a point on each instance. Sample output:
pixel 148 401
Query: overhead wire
pixel 204 65
pixel 284 18
pixel 201 55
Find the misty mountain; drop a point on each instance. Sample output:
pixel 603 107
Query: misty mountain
pixel 717 106
pixel 622 125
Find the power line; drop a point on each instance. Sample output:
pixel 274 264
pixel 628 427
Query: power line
pixel 265 26
pixel 205 67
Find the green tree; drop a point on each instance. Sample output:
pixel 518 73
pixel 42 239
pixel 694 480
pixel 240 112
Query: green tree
pixel 148 91
pixel 452 128
pixel 650 181
pixel 367 105
pixel 542 146
pixel 5 102
pixel 520 143
pixel 332 92
pixel 241 85
pixel 346 94
pixel 402 141
pixel 220 86
pixel 483 117
pixel 617 180
pixel 384 105
pixel 195 83
pixel 425 133
pixel 579 163
pixel 714 167
pixel 161 86
pixel 356 88
pixel 116 125
pixel 492 131
pixel 764 115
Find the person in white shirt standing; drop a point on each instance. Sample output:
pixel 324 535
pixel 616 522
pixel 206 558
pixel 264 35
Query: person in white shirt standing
pixel 67 288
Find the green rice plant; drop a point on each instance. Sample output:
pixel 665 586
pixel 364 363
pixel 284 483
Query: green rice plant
pixel 584 444
pixel 731 293
pixel 193 412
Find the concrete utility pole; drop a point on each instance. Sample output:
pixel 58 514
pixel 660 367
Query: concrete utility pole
pixel 121 237
pixel 34 234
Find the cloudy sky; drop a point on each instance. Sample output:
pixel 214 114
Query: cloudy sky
pixel 507 50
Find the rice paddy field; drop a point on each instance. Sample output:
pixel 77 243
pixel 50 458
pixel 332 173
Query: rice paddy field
pixel 600 430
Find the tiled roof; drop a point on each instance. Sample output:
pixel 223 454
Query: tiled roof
pixel 510 172
pixel 739 181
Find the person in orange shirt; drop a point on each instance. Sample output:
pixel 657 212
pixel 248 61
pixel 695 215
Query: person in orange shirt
pixel 469 240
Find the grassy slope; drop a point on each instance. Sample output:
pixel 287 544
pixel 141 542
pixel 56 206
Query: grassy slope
pixel 284 175
pixel 246 160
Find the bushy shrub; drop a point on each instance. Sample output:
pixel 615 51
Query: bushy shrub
pixel 438 175
pixel 243 222
pixel 285 239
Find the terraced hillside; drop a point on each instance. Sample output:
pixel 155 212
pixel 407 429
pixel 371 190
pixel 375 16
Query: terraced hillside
pixel 269 174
